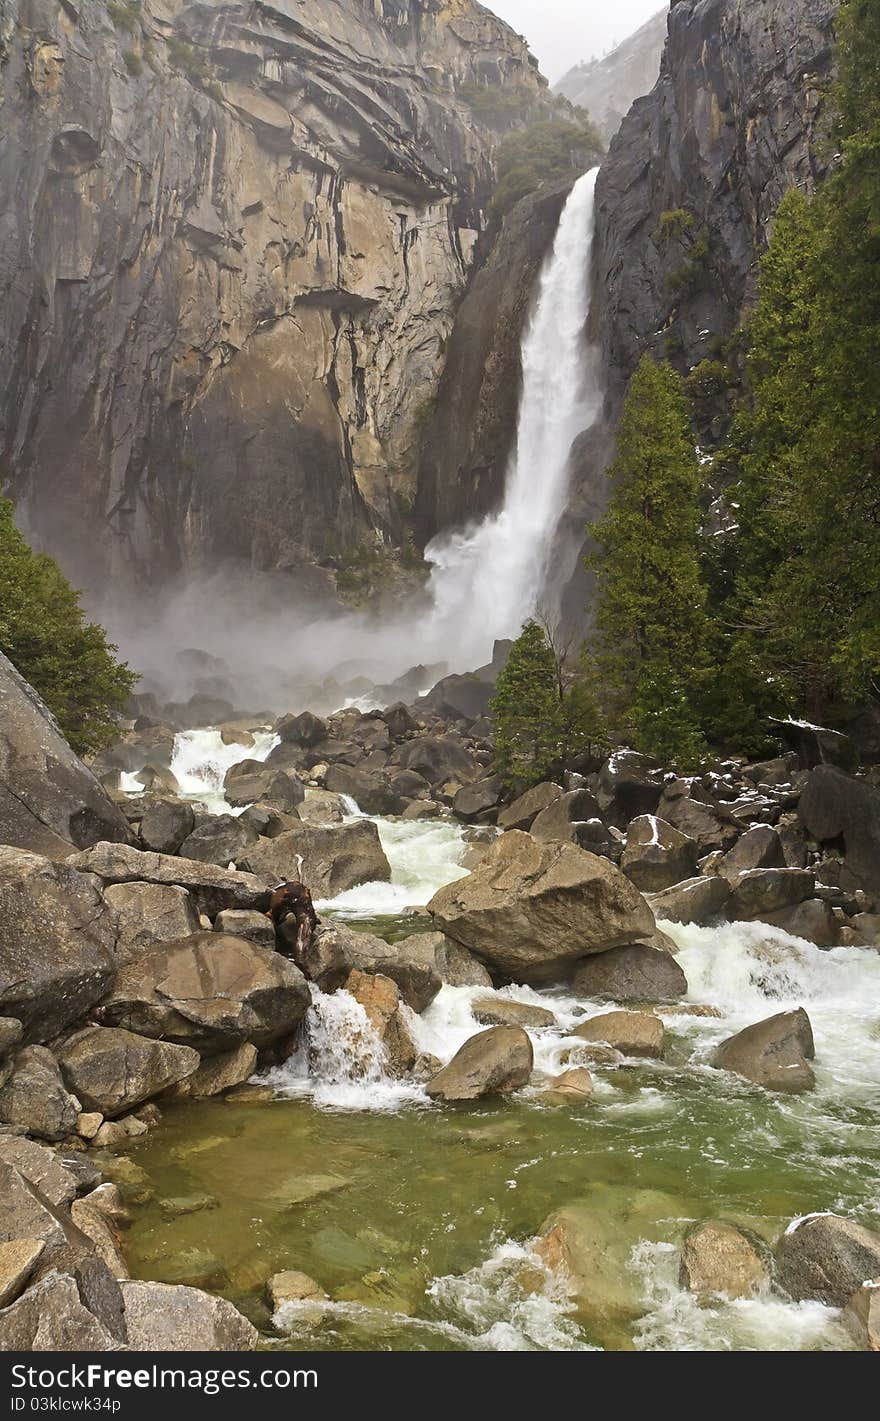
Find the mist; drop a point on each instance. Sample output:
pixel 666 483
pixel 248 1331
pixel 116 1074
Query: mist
pixel 562 33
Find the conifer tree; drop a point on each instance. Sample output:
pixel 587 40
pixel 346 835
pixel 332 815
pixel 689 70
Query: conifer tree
pixel 651 629
pixel 44 632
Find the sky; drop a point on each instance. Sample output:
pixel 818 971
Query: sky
pixel 563 32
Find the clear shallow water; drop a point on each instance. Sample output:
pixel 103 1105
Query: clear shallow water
pixel 418 1220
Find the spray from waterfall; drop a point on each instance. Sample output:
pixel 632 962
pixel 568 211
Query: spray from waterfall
pixel 487 580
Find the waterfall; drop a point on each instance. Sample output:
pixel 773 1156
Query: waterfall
pixel 487 580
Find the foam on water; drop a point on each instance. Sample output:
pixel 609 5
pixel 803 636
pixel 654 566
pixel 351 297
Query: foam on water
pixel 200 762
pixel 424 855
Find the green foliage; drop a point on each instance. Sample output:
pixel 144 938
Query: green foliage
pixel 651 626
pixel 544 719
pixel 693 274
pixel 186 57
pixel 528 157
pixel 125 15
pixel 133 63
pixel 707 380
pixel 497 105
pixel 44 633
pixel 804 618
pixel 674 224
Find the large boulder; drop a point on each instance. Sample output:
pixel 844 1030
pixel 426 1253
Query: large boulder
pixel 532 910
pixel 718 1257
pixel 629 786
pixel 635 1033
pixel 112 1070
pixel 774 1053
pixel 691 810
pixel 245 922
pixel 334 858
pixel 465 697
pixel 474 801
pixel 51 1175
pixel 49 800
pixel 51 1317
pixel 147 914
pixel 381 1001
pixel 439 758
pixel 336 950
pixel 499 1011
pixel 839 806
pixel 523 811
pixel 34 1096
pixel 304 729
pixel 574 817
pixel 826 1257
pixel 369 789
pixel 212 889
pixel 26 1212
pixel 166 1317
pixel 760 891
pixel 166 824
pixel 253 780
pixel 813 920
pixel 210 992
pixel 219 838
pixel 494 1062
pixel 319 807
pixel 861 1316
pixel 760 847
pixel 636 973
pixel 697 900
pixel 18 1259
pixel 656 855
pixel 453 964
pixel 57 937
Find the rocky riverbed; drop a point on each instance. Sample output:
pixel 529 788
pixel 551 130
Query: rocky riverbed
pixel 595 1068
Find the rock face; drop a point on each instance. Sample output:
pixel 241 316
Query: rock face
pixel 264 219
pixel 211 992
pixel 607 87
pixel 150 913
pixel 212 889
pixel 493 1062
pixel 826 1257
pixel 837 806
pixel 57 938
pixel 532 910
pixel 48 799
pixel 774 1053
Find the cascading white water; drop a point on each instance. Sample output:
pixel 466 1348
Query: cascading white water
pixel 488 580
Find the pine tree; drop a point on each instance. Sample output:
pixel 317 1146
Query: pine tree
pixel 44 633
pixel 651 628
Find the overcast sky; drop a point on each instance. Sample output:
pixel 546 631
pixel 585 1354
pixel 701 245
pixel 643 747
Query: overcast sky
pixel 563 32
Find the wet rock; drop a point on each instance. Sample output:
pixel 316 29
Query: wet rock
pixel 861 1316
pixel 179 1206
pixel 774 1053
pixel 34 1096
pixel 335 950
pixel 839 806
pixel 293 1287
pixel 717 1257
pixel 656 855
pixel 335 858
pixel 697 900
pixel 760 891
pixel 211 992
pixel 456 965
pixel 50 1317
pixel 251 782
pixel 827 1257
pixel 381 1000
pixel 148 914
pixel 576 1084
pixel 112 1070
pixel 212 889
pixel 220 838
pixel 630 974
pixel 165 1317
pixel 48 799
pixel 219 1074
pixel 635 1033
pixel 522 812
pixel 165 825
pixel 18 1259
pixel 533 910
pixel 247 923
pixel 475 800
pixel 494 1062
pixel 812 920
pixel 498 1011
pixel 57 937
